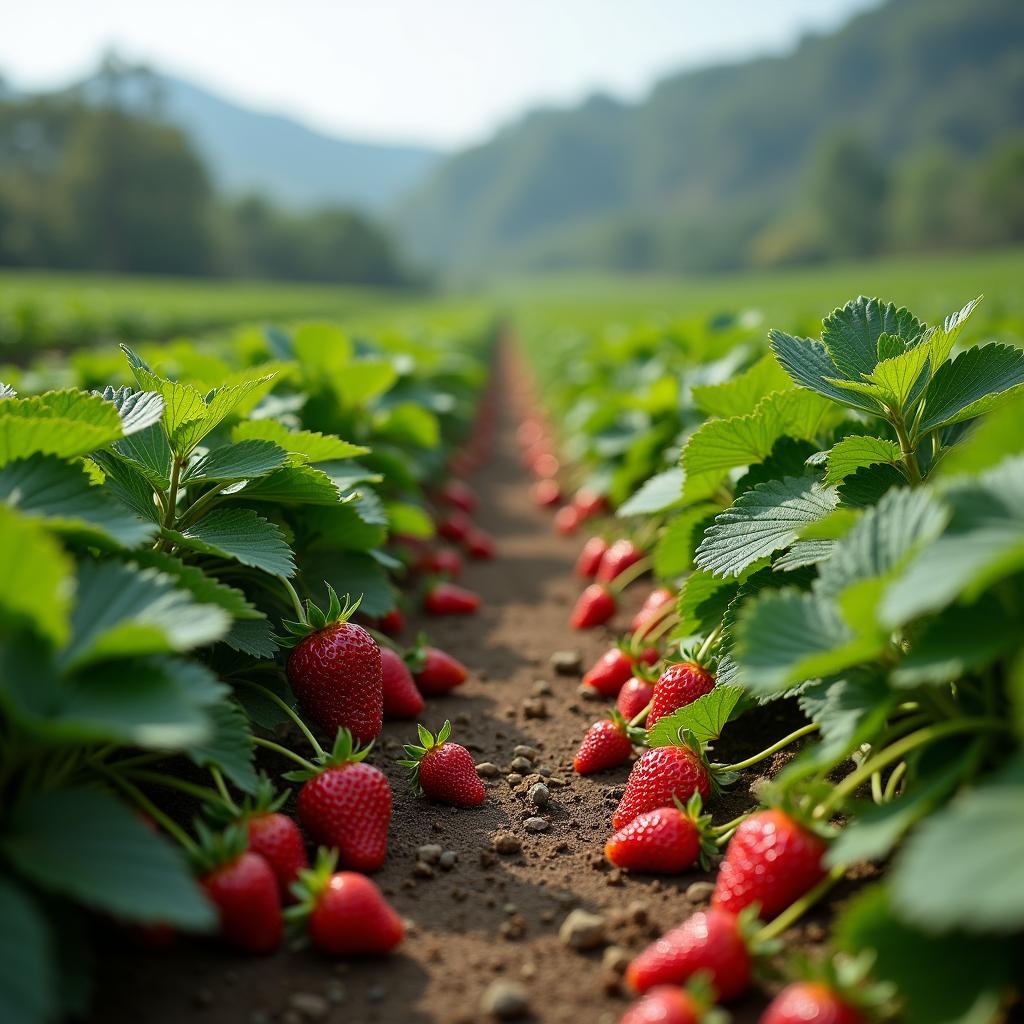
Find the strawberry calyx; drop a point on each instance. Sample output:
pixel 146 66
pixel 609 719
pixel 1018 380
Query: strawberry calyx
pixel 415 657
pixel 315 619
pixel 849 978
pixel 702 823
pixel 265 799
pixel 636 734
pixel 310 885
pixel 345 751
pixel 417 752
pixel 214 849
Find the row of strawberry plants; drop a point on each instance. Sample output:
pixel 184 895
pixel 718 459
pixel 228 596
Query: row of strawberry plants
pixel 835 526
pixel 164 526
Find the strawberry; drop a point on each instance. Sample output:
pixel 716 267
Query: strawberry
pixel 242 886
pixel 648 613
pixel 665 1004
pixel 634 697
pixel 334 670
pixel 607 744
pixel 401 697
pixel 454 526
pixel 595 606
pixel 345 913
pixel 435 671
pixel 274 836
pixel 677 686
pixel 567 520
pixel 445 562
pixel 346 804
pixel 667 839
pixel 709 941
pixel 810 1002
pixel 392 623
pixel 772 860
pixel 460 495
pixel 617 559
pixel 479 544
pixel 442 770
pixel 588 503
pixel 546 493
pixel 614 668
pixel 662 776
pixel 448 599
pixel 590 558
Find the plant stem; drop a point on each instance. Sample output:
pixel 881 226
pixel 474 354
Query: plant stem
pixel 729 825
pixel 627 576
pixel 894 780
pixel 296 603
pixel 172 828
pixel 218 781
pixel 804 730
pixel 907 451
pixel 876 787
pixel 200 506
pixel 172 493
pixel 641 716
pixel 709 641
pixel 637 640
pixel 288 710
pixel 796 910
pixel 284 752
pixel 654 634
pixel 202 793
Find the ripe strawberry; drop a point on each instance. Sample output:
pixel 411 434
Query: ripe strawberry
pixel 242 886
pixel 648 613
pixel 595 606
pixel 435 671
pixel 771 861
pixel 677 686
pixel 460 495
pixel 634 697
pixel 617 559
pixel 607 744
pixel 662 776
pixel 590 558
pixel 345 913
pixel 401 698
pixel 567 520
pixel 588 503
pixel 810 1002
pixel 347 804
pixel 614 668
pixel 445 562
pixel 665 1004
pixel 480 545
pixel 274 836
pixel 546 493
pixel 443 770
pixel 392 623
pixel 708 941
pixel 449 599
pixel 334 670
pixel 454 526
pixel 667 839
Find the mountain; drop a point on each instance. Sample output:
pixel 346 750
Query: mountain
pixel 692 173
pixel 251 151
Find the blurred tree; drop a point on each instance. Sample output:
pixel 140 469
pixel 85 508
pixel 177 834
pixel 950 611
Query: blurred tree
pixel 849 190
pixel 1001 193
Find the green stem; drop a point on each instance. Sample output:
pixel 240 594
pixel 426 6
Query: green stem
pixel 641 716
pixel 288 710
pixel 218 781
pixel 669 621
pixel 171 827
pixel 639 638
pixel 296 603
pixel 627 576
pixel 724 837
pixel 804 730
pixel 796 910
pixel 876 787
pixel 172 493
pixel 894 780
pixel 201 793
pixel 710 640
pixel 729 825
pixel 913 471
pixel 284 752
pixel 200 506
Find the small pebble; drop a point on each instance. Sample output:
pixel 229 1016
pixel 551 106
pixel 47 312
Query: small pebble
pixel 513 779
pixel 588 692
pixel 541 688
pixel 539 794
pixel 506 842
pixel 536 824
pixel 615 960
pixel 448 859
pixel 700 892
pixel 530 753
pixel 488 770
pixel 567 663
pixel 429 854
pixel 582 930
pixel 309 1005
pixel 336 992
pixel 421 870
pixel 505 1000
pixel 535 707
pixel 375 993
pixel 521 764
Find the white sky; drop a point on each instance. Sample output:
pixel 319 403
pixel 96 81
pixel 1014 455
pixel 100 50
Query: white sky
pixel 438 71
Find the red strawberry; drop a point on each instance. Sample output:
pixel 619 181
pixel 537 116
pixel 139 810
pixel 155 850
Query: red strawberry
pixel 595 606
pixel 771 861
pixel 443 770
pixel 334 670
pixel 435 671
pixel 274 836
pixel 546 493
pixel 588 503
pixel 665 1004
pixel 810 1002
pixel 708 941
pixel 454 526
pixel 347 805
pixel 345 913
pixel 401 698
pixel 648 614
pixel 449 599
pixel 392 623
pixel 606 745
pixel 667 839
pixel 442 563
pixel 590 558
pixel 617 559
pixel 567 520
pixel 678 686
pixel 460 495
pixel 480 545
pixel 634 697
pixel 662 776
pixel 614 668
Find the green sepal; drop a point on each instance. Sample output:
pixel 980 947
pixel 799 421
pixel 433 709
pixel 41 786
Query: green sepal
pixel 416 656
pixel 307 888
pixel 216 848
pixel 345 751
pixel 316 619
pixel 416 753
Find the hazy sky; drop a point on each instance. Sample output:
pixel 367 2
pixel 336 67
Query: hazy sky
pixel 440 71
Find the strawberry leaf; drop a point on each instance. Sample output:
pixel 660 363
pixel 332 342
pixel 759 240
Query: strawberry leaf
pixel 704 718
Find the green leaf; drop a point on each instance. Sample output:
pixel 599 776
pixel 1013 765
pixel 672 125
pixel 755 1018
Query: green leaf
pixel 941 340
pixel 811 367
pixel 83 843
pixel 63 423
pixel 44 487
pixel 37 576
pixel 972 384
pixel 205 589
pixel 254 637
pixel 850 335
pixel 230 747
pixel 138 410
pixel 658 493
pixel 989 441
pixel 293 485
pixel 364 380
pixel 675 548
pixel 702 602
pixel 705 717
pixel 409 424
pixel 762 521
pixel 741 393
pixel 126 482
pixel 28 977
pixel 301 445
pixel 355 573
pixel 850 711
pixel 243 460
pixel 856 451
pixel 239 534
pixel 408 520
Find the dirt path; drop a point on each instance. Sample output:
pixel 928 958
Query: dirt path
pixel 492 916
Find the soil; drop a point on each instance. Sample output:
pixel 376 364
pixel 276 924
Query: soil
pixel 492 916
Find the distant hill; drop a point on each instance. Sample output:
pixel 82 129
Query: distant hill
pixel 252 151
pixel 688 175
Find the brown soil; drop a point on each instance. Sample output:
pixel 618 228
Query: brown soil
pixel 492 916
